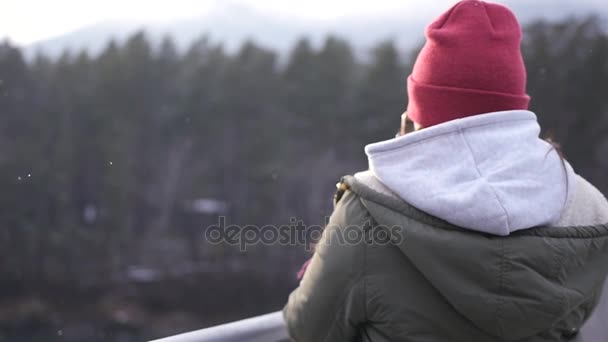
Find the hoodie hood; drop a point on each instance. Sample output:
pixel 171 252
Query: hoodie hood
pixel 490 173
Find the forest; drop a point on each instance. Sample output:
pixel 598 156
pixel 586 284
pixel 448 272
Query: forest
pixel 112 166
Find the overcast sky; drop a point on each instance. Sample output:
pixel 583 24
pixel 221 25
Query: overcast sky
pixel 27 21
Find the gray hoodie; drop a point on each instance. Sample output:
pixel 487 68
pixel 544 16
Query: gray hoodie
pixel 493 174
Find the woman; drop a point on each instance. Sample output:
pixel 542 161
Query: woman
pixel 493 236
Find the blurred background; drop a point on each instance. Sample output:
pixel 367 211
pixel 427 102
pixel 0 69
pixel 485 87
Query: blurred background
pixel 127 127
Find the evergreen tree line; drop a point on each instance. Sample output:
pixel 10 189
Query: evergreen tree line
pixel 101 157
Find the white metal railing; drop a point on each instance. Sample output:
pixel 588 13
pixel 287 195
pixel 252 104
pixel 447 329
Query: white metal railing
pixel 265 328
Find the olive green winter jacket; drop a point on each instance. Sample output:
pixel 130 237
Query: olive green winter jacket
pixel 435 282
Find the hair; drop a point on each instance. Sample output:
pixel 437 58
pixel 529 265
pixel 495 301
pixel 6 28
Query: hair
pixel 557 148
pixel 407 126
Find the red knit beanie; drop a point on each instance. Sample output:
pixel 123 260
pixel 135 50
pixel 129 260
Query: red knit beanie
pixel 471 64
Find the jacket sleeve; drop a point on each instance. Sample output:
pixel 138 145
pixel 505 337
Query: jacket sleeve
pixel 329 304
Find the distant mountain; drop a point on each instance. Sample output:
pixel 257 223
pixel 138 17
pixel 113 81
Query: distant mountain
pixel 92 38
pixel 232 23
